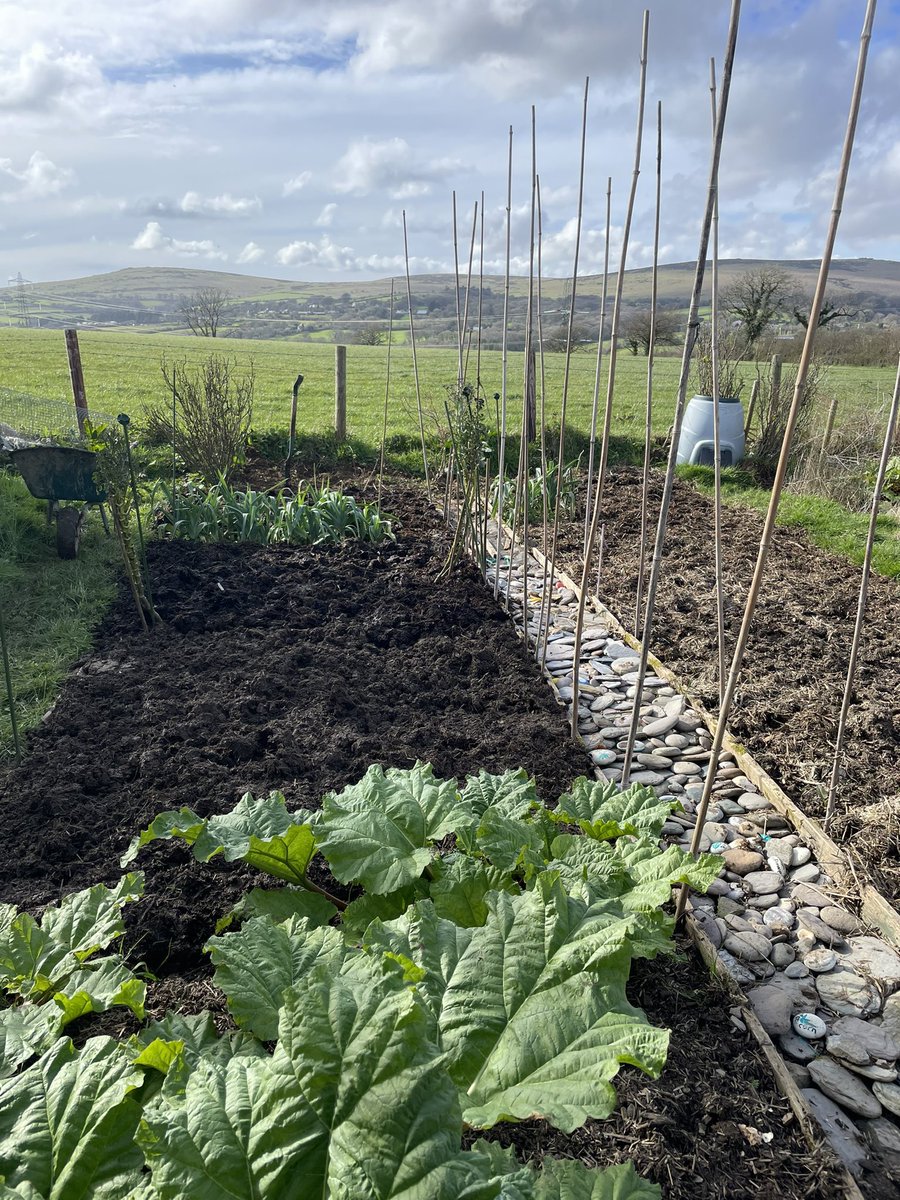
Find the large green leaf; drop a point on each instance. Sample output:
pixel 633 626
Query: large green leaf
pixel 360 913
pixel 24 1032
pixel 282 903
pixel 181 823
pixel 31 960
pixel 512 844
pixel 654 872
pixel 88 921
pixel 353 1105
pixel 255 965
pixel 380 832
pixel 460 893
pixel 565 1179
pixel 531 1008
pixel 513 793
pixel 100 984
pixel 67 1124
pixel 602 811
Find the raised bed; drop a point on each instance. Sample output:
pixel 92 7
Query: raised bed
pixel 297 669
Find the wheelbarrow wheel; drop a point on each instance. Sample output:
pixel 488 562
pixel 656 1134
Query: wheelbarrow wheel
pixel 68 531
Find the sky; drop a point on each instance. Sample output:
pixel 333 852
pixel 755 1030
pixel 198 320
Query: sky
pixel 286 138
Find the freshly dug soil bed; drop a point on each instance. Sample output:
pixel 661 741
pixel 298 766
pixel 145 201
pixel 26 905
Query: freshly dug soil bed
pixel 296 669
pixel 789 696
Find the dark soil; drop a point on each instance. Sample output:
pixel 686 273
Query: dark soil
pixel 296 669
pixel 789 696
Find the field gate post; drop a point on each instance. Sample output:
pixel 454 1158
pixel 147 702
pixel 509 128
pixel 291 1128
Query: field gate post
pixel 776 377
pixel 77 377
pixel 340 392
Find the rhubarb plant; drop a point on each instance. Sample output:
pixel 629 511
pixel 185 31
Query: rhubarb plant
pixel 51 972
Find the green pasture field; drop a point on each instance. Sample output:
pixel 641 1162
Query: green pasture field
pixel 122 374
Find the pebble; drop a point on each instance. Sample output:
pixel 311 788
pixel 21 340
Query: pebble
pixel 890 1017
pixel 812 897
pixel 773 1007
pixel 796 970
pixel 818 928
pixel 625 666
pixel 782 955
pixel 873 1071
pixel 799 1074
pixel 798 1048
pixel 779 852
pixel 660 726
pixel 742 862
pixel 763 883
pixel 873 958
pixel 842 1134
pixel 751 947
pixel 889 1095
pixel 763 901
pixel 808 874
pixel 735 969
pixel 883 1136
pixel 800 855
pixel 603 758
pixel 648 778
pixel 677 741
pixel 809 1026
pixel 779 916
pixel 820 960
pixel 656 761
pixel 709 925
pixel 845 992
pixel 686 768
pixel 751 802
pixel 839 919
pixel 602 703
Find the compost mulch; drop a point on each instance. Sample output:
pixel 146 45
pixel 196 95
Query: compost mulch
pixel 789 696
pixel 296 669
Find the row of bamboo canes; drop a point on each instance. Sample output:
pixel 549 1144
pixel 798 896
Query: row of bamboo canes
pixel 473 507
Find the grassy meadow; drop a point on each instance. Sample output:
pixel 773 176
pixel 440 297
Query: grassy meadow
pixel 122 374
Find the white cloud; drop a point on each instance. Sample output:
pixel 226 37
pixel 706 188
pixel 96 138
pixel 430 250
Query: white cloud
pixel 325 219
pixel 38 179
pixel 393 166
pixel 151 238
pixel 219 206
pixel 38 80
pixel 251 253
pixel 297 184
pixel 324 253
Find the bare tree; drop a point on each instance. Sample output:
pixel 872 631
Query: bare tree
pixel 637 327
pixel 371 335
pixel 831 311
pixel 756 299
pixel 213 411
pixel 202 310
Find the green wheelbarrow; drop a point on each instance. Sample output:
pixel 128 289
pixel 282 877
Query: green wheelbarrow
pixel 56 473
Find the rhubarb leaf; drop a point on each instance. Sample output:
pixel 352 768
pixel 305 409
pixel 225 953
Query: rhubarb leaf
pixel 88 921
pixel 531 1008
pixel 459 894
pixel 354 1104
pixel 513 793
pixel 380 831
pixel 255 965
pixel 67 1124
pixel 25 1031
pixel 511 843
pixel 282 903
pixel 602 811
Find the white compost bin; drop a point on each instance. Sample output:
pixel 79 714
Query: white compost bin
pixel 696 442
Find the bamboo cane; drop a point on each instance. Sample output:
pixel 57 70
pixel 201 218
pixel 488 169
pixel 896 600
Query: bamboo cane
pixel 528 383
pixel 717 441
pixel 465 323
pixel 459 327
pixel 543 623
pixel 836 766
pixel 611 380
pixel 781 470
pixel 751 407
pixel 596 399
pixel 10 693
pixel 387 390
pixel 690 339
pixel 480 300
pixel 412 342
pixel 651 351
pixel 568 363
pixel 501 465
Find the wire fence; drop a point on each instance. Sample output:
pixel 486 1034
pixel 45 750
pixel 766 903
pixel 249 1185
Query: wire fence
pixel 35 419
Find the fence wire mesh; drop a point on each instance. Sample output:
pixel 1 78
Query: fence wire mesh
pixel 24 417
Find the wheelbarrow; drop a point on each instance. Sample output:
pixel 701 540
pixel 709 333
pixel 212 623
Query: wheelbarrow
pixel 55 473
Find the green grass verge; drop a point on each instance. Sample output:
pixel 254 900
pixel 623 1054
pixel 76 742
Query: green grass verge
pixel 828 524
pixel 50 606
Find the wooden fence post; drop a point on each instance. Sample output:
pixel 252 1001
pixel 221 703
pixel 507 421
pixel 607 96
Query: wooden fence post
pixel 77 377
pixel 340 392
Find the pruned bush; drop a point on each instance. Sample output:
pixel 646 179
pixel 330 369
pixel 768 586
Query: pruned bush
pixel 213 404
pixel 773 406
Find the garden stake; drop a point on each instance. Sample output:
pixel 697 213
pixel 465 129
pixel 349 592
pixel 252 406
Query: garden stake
pixel 480 302
pixel 565 389
pixel 596 400
pixel 17 746
pixel 600 554
pixel 501 466
pixel 459 327
pixel 412 342
pixel 124 420
pixel 836 766
pixel 528 398
pixel 174 454
pixel 387 390
pixel 540 647
pixel 829 428
pixel 717 443
pixel 690 338
pixel 651 351
pixel 467 333
pixel 611 381
pixel 751 407
pixel 777 486
pixel 292 435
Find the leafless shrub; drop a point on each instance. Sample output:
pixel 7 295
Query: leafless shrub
pixel 731 347
pixel 213 411
pixel 773 406
pixel 845 470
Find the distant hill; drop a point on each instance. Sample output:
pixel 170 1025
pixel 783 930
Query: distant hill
pixel 149 297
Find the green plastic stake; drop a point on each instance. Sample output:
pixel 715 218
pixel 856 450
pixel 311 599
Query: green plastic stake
pixel 17 746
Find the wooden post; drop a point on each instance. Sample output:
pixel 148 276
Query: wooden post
pixel 292 436
pixel 776 376
pixel 77 377
pixel 751 407
pixel 340 392
pixel 829 428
